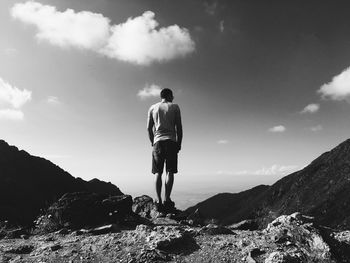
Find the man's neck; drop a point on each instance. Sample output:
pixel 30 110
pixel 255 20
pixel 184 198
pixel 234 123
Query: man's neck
pixel 165 100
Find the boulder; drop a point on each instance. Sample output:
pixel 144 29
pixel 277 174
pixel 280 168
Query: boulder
pixel 168 237
pixel 85 210
pixel 283 257
pixel 145 207
pixel 195 218
pixel 298 238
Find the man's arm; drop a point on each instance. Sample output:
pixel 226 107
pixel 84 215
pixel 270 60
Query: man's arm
pixel 178 124
pixel 150 124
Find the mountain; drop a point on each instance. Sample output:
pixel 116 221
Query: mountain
pixel 322 190
pixel 29 184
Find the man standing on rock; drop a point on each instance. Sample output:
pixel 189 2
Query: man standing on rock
pixel 165 133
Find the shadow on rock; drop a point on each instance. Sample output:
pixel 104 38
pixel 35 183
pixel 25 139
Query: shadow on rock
pixel 339 243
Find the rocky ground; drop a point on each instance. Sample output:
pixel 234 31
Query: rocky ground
pixel 292 238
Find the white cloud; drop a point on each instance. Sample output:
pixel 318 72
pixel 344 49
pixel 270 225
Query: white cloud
pixel 137 41
pixel 316 128
pixel 11 100
pixel 338 88
pixel 53 100
pixel 149 91
pixel 84 29
pixel 311 108
pixel 279 128
pixel 11 114
pixel 222 141
pixel 276 170
pixel 13 96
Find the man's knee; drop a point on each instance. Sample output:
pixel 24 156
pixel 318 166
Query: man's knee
pixel 158 176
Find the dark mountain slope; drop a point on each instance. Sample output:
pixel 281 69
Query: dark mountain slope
pixel 228 207
pixel 322 189
pixel 29 183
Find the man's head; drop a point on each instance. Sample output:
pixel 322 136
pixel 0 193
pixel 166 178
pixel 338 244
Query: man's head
pixel 167 94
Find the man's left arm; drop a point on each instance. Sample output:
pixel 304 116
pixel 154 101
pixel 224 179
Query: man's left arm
pixel 150 124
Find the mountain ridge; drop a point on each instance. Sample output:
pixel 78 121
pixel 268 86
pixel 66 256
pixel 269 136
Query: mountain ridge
pixel 319 189
pixel 30 183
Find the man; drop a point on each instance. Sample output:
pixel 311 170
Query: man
pixel 165 133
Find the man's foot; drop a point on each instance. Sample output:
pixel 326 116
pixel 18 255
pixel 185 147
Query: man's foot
pixel 159 207
pixel 169 206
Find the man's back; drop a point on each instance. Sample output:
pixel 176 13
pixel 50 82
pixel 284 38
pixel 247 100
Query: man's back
pixel 165 115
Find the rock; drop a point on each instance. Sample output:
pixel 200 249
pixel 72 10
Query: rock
pixel 21 249
pixel 281 257
pixel 165 221
pixel 80 232
pixel 249 259
pixel 25 236
pixel 339 243
pixel 63 231
pixel 152 255
pixel 196 218
pixel 112 228
pixel 167 237
pixel 212 229
pixel 83 209
pixel 343 236
pixel 299 240
pixel 248 224
pixel 145 207
pixel 143 228
pixel 120 205
pixel 256 252
pixel 55 247
pixel 16 233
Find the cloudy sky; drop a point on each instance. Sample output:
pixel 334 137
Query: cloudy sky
pixel 263 86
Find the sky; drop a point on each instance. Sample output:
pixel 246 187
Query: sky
pixel 263 86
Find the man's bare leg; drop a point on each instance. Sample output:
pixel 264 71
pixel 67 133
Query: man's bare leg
pixel 158 186
pixel 169 181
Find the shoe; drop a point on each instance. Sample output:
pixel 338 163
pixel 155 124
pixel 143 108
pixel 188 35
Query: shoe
pixel 160 210
pixel 159 207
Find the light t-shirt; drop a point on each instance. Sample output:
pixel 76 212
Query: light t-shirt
pixel 165 116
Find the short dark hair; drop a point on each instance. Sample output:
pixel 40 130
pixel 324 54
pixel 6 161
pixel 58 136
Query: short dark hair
pixel 166 93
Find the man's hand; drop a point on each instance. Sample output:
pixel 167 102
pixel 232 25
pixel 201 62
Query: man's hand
pixel 178 147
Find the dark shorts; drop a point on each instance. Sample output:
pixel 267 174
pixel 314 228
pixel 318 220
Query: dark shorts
pixel 164 152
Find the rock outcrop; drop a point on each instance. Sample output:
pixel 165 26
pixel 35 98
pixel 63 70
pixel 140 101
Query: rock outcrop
pixel 85 210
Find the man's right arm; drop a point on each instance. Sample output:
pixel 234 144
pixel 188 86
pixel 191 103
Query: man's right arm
pixel 178 124
pixel 150 124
